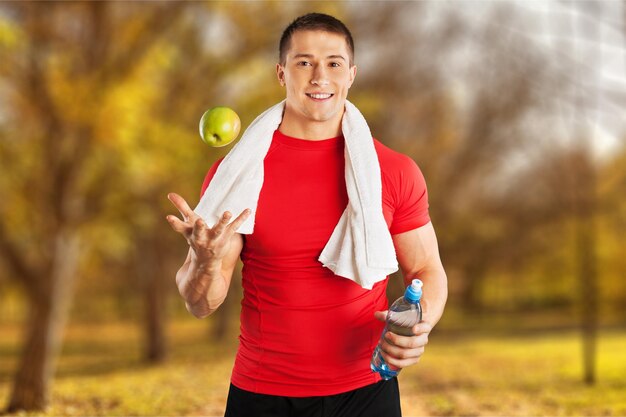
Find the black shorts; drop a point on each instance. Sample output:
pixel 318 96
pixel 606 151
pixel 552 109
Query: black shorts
pixel 381 399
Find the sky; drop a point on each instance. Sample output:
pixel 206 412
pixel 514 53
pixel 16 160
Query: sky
pixel 588 40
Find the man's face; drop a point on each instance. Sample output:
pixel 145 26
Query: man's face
pixel 317 75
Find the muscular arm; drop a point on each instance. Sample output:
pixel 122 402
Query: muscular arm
pixel 205 276
pixel 418 256
pixel 204 287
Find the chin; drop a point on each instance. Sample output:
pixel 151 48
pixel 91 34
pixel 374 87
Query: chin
pixel 324 117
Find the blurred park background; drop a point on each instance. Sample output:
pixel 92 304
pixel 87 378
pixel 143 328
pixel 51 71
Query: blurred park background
pixel 515 112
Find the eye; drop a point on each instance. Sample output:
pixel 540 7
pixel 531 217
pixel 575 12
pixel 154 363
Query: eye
pixel 335 64
pixel 304 63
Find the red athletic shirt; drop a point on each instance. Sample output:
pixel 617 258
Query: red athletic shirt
pixel 305 331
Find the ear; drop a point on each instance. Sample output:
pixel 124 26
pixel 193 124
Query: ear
pixel 280 73
pixel 352 75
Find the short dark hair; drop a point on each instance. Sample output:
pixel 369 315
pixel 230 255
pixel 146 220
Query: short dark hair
pixel 314 21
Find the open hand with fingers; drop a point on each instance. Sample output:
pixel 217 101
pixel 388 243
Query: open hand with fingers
pixel 204 278
pixel 209 244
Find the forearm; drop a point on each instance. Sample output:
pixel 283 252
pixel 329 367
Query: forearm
pixel 202 286
pixel 435 293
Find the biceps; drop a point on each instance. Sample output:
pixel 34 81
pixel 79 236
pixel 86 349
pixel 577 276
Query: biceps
pixel 417 249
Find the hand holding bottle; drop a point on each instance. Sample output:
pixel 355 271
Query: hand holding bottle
pixel 405 336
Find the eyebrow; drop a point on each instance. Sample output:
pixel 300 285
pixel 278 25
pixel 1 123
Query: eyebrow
pixel 311 56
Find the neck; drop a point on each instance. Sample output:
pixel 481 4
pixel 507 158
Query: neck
pixel 297 127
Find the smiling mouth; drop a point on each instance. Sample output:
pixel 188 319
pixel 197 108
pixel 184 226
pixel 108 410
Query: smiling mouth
pixel 319 96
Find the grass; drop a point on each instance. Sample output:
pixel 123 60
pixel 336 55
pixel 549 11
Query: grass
pixel 100 372
pixel 537 375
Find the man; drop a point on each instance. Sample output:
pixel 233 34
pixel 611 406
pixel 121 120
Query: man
pixel 307 335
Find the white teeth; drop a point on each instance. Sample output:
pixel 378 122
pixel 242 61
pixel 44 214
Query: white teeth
pixel 320 96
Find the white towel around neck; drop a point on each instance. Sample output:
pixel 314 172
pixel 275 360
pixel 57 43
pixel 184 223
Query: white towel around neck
pixel 360 248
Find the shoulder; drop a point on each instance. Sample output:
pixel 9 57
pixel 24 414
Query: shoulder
pixel 404 189
pixel 395 164
pixel 401 177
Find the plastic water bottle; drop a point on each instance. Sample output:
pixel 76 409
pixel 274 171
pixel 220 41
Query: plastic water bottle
pixel 403 314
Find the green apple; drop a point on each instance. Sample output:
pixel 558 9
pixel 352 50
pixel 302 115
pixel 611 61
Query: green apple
pixel 219 126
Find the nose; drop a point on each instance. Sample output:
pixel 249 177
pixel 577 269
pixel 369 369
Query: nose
pixel 320 77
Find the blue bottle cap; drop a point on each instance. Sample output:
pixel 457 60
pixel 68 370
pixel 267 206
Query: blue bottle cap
pixel 413 292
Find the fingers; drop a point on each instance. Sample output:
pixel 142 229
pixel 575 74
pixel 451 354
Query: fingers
pixel 221 224
pixel 176 224
pixel 200 228
pixel 411 358
pixel 406 342
pixel 240 219
pixel 380 315
pixel 199 234
pixel 192 226
pixel 181 205
pixel 403 351
pixel 422 327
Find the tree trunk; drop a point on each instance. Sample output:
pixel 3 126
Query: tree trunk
pixel 587 272
pixel 471 297
pixel 588 279
pixel 49 307
pixel 156 348
pixel 30 389
pixel 150 275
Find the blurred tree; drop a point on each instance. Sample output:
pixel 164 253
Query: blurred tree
pixel 507 199
pixel 445 107
pixel 61 63
pixel 612 219
pixel 586 235
pixel 121 97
